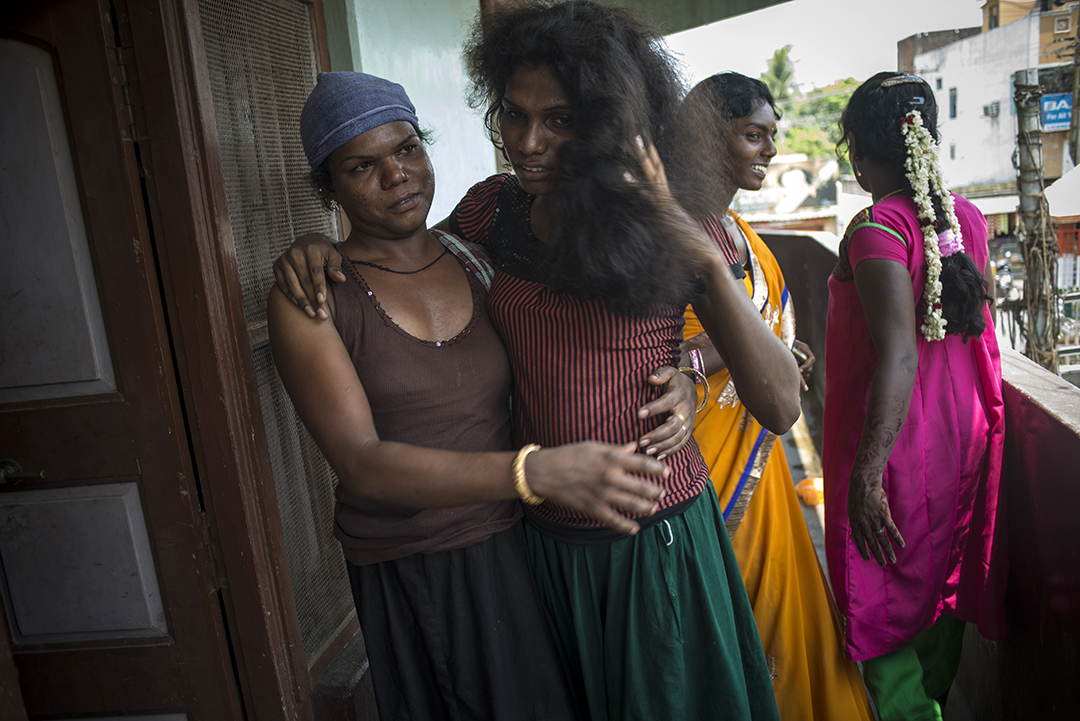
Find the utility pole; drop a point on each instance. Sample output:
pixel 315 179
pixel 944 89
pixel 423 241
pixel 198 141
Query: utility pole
pixel 1038 244
pixel 1074 136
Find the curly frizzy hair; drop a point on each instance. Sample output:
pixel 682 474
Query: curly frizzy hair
pixel 610 239
pixel 873 118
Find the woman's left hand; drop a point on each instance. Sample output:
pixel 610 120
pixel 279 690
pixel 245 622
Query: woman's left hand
pixel 805 366
pixel 871 521
pixel 679 401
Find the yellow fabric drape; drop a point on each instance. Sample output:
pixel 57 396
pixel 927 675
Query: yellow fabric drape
pixel 784 581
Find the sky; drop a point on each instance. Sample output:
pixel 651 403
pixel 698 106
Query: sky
pixel 830 39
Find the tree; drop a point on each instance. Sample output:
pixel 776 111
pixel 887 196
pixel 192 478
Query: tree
pixel 779 74
pixel 812 120
pixel 810 123
pixel 810 141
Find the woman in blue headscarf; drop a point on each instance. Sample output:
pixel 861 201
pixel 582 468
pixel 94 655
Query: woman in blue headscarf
pixel 406 394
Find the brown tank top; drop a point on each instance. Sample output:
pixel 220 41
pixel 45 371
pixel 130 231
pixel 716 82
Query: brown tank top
pixel 452 394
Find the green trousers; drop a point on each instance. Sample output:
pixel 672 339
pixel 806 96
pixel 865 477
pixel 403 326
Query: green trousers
pixel 912 683
pixel 658 626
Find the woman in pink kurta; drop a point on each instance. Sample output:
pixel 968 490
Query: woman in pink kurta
pixel 913 423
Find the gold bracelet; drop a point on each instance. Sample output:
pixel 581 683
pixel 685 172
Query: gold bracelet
pixel 700 379
pixel 520 485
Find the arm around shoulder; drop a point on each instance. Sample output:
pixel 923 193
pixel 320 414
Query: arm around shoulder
pixel 329 397
pixel 326 391
pixel 301 271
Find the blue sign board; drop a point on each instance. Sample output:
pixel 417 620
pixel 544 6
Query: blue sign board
pixel 1056 111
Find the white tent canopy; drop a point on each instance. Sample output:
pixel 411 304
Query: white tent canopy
pixel 1063 195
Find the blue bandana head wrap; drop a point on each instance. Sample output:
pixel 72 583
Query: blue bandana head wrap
pixel 344 105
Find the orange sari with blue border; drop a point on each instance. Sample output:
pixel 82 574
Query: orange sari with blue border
pixel 792 607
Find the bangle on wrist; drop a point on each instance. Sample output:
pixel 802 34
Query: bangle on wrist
pixel 522 488
pixel 700 379
pixel 696 361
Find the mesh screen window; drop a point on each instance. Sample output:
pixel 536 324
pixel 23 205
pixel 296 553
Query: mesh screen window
pixel 262 66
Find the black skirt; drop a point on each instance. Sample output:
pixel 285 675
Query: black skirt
pixel 463 634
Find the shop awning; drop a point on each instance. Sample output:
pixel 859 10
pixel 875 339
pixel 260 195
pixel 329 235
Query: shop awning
pixel 998 205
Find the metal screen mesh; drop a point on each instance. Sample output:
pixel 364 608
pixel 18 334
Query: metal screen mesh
pixel 262 66
pixel 304 484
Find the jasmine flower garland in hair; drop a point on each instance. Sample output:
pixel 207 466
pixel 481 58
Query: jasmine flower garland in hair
pixel 922 171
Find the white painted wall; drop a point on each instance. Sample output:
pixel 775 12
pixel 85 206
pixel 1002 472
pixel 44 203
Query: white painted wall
pixel 418 43
pixel 980 68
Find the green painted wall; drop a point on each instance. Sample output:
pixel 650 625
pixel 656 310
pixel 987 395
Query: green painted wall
pixel 418 43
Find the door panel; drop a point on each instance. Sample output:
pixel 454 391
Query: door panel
pixel 107 577
pixel 96 581
pixel 52 341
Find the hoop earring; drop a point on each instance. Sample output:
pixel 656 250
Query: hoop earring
pixel 333 206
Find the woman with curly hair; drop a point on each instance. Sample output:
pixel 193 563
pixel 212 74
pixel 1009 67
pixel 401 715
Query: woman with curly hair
pixel 593 266
pixel 595 263
pixel 914 417
pixel 777 560
pixel 406 393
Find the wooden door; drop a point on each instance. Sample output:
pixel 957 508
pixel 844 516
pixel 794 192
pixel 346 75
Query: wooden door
pixel 110 593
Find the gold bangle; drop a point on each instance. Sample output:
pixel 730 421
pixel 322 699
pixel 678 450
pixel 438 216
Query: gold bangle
pixel 699 379
pixel 520 485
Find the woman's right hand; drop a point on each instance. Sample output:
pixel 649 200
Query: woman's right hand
pixel 761 366
pixel 691 235
pixel 594 479
pixel 302 269
pixel 871 520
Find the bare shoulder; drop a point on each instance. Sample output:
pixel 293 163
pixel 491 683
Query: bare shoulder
pixel 285 320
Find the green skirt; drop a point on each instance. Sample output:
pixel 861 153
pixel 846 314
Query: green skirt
pixel 658 625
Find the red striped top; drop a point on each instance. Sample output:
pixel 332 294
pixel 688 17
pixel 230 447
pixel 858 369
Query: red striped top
pixel 579 370
pixel 715 230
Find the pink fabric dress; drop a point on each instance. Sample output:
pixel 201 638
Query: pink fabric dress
pixel 944 475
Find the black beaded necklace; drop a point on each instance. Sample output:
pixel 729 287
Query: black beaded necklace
pixel 400 272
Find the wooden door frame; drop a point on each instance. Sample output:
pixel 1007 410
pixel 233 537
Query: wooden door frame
pixel 89 74
pixel 200 279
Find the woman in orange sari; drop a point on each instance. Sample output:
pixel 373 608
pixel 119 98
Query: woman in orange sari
pixel 784 581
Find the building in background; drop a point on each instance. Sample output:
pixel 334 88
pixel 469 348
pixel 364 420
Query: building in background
pixel 972 77
pixel 800 193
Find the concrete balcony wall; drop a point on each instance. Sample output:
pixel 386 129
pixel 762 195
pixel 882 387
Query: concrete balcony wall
pixel 1035 673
